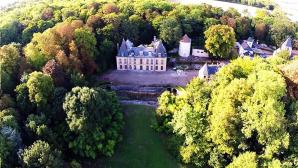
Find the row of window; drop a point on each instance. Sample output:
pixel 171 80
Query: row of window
pixel 125 67
pixel 141 61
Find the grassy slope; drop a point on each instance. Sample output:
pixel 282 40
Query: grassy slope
pixel 141 147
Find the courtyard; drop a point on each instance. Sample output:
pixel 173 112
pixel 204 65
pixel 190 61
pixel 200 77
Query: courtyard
pixel 168 77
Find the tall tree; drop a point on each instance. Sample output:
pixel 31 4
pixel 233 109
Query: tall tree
pixel 41 154
pixel 170 31
pixel 94 120
pixel 220 39
pixel 40 87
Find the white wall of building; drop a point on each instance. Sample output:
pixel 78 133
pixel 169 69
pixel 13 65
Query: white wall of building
pixel 199 53
pixel 141 63
pixel 184 49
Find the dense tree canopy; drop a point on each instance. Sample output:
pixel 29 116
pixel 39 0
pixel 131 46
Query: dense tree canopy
pixel 49 48
pixel 40 154
pixel 40 87
pixel 9 61
pixel 242 120
pixel 220 39
pixel 94 120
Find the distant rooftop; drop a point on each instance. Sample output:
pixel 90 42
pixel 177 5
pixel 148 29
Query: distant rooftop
pixel 287 43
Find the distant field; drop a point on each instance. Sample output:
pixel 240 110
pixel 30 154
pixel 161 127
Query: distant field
pixel 288 6
pixel 142 146
pixel 225 5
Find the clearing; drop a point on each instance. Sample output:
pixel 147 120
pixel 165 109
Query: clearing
pixel 142 146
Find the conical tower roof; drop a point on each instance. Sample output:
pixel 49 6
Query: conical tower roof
pixel 185 39
pixel 160 47
pixel 287 43
pixel 123 49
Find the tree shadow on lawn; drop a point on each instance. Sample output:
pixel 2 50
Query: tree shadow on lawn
pixel 142 146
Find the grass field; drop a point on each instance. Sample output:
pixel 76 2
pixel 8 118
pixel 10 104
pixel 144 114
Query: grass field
pixel 142 147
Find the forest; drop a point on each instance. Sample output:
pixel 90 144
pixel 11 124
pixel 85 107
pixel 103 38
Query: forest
pixel 246 116
pixel 55 113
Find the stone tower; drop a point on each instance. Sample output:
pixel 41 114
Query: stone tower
pixel 185 46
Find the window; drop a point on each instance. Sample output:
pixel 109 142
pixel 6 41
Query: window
pixel 130 67
pixel 161 68
pixel 125 67
pixel 147 61
pixel 151 61
pixel 134 67
pixel 120 66
pixel 125 61
pixel 141 61
pixel 147 68
pixel 141 67
pixel 134 61
pixel 156 67
pixel 120 60
pixel 151 68
pixel 161 62
pixel 156 61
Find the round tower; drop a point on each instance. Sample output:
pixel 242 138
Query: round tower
pixel 184 46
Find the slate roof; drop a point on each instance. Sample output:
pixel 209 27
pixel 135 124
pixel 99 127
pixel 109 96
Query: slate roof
pixel 129 44
pixel 155 49
pixel 160 48
pixel 250 39
pixel 287 43
pixel 123 49
pixel 245 46
pixel 207 70
pixel 185 39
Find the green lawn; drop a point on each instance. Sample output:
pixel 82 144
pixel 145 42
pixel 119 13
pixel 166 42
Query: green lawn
pixel 142 146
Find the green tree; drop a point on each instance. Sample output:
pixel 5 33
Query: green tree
pixel 10 139
pixel 10 31
pixel 43 47
pixel 37 128
pixel 280 30
pixel 210 22
pixel 7 82
pixel 9 58
pixel 220 39
pixel 23 102
pixel 40 88
pixel 86 42
pixel 243 119
pixel 41 154
pixel 94 120
pixel 243 27
pixel 170 31
pixel 247 159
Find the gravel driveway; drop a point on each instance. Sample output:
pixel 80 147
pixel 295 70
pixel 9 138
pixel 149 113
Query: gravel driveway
pixel 169 77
